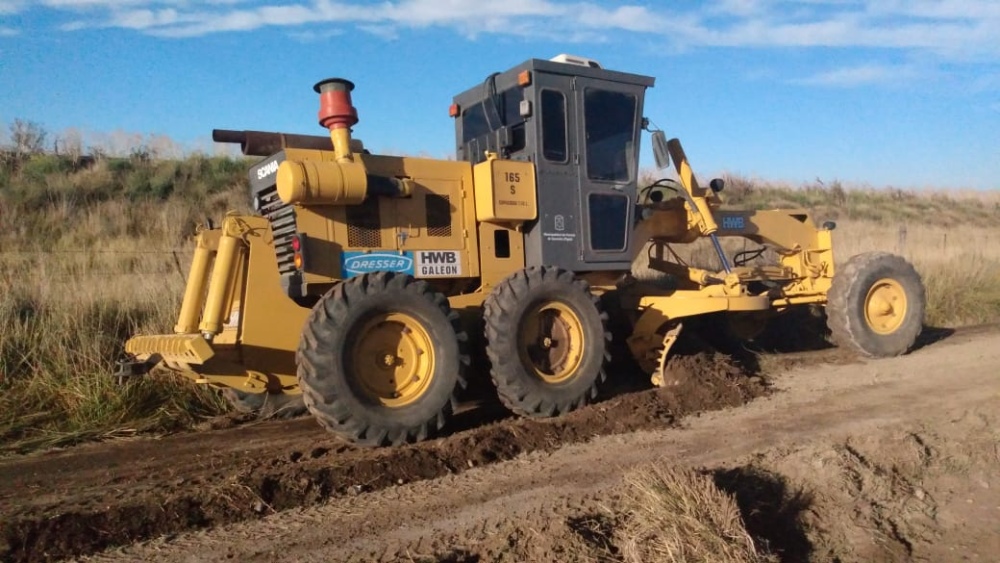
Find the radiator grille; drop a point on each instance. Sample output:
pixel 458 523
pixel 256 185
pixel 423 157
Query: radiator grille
pixel 282 219
pixel 364 225
pixel 438 208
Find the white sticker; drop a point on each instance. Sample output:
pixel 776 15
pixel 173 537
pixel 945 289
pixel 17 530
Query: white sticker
pixel 437 264
pixel 234 316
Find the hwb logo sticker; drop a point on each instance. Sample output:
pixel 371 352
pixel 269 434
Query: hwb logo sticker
pixel 438 264
pixel 734 222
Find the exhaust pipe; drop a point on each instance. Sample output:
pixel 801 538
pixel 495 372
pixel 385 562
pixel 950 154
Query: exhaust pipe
pixel 338 114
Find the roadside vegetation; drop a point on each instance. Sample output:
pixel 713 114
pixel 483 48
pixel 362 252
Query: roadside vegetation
pixel 94 248
pixel 677 515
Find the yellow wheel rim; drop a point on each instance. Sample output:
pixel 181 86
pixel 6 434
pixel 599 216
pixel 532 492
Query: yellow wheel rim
pixel 885 306
pixel 392 359
pixel 551 342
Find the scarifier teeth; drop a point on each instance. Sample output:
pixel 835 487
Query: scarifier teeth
pixel 659 376
pixel 663 352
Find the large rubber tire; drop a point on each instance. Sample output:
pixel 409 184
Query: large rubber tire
pixel 546 341
pixel 265 405
pixel 381 359
pixel 876 305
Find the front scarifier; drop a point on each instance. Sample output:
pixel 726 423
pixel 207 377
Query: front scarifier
pixel 353 288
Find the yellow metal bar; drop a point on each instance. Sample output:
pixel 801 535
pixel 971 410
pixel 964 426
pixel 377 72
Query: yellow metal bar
pixel 187 320
pixel 799 300
pixel 697 193
pixel 177 348
pixel 220 288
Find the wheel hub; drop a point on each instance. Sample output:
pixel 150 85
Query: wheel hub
pixel 392 359
pixel 885 306
pixel 551 342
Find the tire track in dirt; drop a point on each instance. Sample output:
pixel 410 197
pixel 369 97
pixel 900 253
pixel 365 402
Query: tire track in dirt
pixel 115 508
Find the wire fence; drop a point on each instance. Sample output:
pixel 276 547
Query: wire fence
pixel 47 262
pixel 91 251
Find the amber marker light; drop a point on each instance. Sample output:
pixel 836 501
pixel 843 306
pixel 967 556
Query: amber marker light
pixel 524 78
pixel 453 110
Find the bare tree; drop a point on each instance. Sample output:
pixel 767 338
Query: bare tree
pixel 27 137
pixel 70 143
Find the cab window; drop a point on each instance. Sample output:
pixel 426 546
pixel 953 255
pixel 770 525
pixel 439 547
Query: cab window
pixel 609 122
pixel 608 221
pixel 554 126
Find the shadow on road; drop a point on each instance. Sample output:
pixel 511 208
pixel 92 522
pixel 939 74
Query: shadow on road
pixel 772 511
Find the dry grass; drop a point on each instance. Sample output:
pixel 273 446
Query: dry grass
pixel 679 516
pixel 80 271
pixel 960 265
pixel 838 202
pixel 60 341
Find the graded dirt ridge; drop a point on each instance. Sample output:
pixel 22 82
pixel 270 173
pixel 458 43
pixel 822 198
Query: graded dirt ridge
pixel 874 460
pixel 82 500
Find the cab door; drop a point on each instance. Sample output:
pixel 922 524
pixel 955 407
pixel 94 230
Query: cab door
pixel 608 141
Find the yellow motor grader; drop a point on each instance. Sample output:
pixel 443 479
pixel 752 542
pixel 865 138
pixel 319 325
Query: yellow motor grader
pixel 354 287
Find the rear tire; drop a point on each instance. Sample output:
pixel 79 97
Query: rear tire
pixel 876 305
pixel 546 341
pixel 381 359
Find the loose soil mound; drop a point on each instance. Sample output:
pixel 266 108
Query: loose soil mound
pixel 112 495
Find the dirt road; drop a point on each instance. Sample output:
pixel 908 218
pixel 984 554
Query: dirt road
pixel 516 490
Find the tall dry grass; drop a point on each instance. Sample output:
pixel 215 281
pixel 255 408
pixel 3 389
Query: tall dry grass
pixel 85 262
pixel 960 264
pixel 676 515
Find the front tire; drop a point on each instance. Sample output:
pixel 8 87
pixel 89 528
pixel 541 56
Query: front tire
pixel 876 305
pixel 381 359
pixel 546 341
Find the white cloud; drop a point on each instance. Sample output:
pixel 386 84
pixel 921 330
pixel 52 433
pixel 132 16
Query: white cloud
pixel 187 18
pixel 11 6
pixel 942 30
pixel 861 75
pixel 948 27
pixel 315 36
pixel 387 32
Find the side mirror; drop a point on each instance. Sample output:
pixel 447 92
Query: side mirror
pixel 717 185
pixel 660 152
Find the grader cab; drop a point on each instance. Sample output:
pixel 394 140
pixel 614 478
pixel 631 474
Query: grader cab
pixel 357 282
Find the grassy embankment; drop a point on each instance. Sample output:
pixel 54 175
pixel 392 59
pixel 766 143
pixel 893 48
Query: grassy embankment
pixel 86 259
pixel 91 255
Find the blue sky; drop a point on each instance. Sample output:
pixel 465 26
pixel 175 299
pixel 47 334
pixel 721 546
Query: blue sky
pixel 892 92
